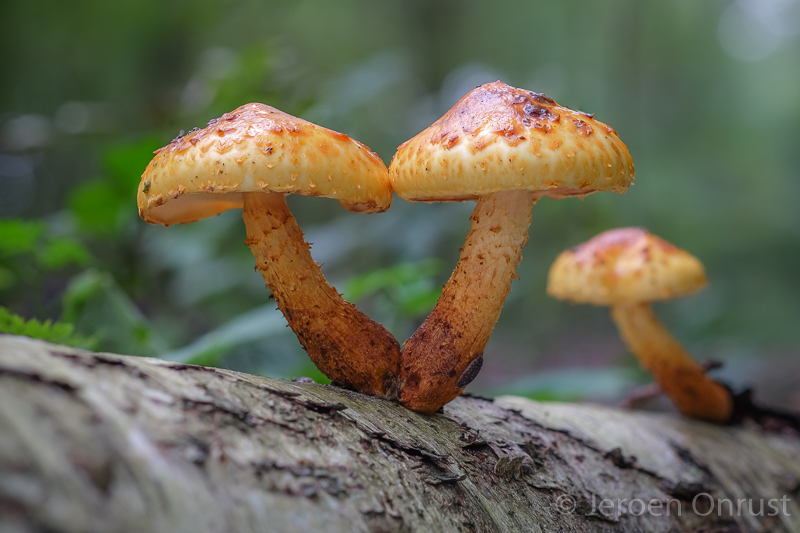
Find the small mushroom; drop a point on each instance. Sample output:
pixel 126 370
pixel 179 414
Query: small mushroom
pixel 251 159
pixel 504 148
pixel 627 269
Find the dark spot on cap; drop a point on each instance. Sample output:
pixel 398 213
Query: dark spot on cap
pixel 541 98
pixel 538 111
pixel 583 127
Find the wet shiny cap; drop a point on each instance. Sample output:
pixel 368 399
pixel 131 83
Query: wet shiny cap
pixel 626 265
pixel 257 148
pixel 499 138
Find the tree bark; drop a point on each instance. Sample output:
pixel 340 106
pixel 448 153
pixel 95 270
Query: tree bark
pixel 108 443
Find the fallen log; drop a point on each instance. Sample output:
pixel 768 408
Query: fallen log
pixel 104 442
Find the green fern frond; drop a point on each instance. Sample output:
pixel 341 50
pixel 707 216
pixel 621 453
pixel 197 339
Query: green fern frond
pixel 57 332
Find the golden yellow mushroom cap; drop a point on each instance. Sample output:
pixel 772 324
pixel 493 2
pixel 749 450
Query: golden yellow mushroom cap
pixel 499 138
pixel 258 148
pixel 625 265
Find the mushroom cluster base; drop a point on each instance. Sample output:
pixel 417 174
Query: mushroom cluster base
pixel 679 376
pixel 345 344
pixel 446 352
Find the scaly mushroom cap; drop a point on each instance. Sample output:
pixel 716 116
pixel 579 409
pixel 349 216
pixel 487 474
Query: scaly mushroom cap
pixel 258 148
pixel 626 265
pixel 499 138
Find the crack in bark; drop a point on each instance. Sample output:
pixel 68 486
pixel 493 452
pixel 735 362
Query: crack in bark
pixel 687 457
pixel 98 359
pixel 614 456
pixel 321 479
pixel 39 378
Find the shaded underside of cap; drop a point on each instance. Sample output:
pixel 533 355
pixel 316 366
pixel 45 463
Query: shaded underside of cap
pixel 257 148
pixel 625 265
pixel 500 138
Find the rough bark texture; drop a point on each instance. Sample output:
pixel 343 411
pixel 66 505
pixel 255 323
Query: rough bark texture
pixel 102 442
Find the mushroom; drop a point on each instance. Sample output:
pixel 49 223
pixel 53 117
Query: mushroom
pixel 251 159
pixel 627 269
pixel 504 148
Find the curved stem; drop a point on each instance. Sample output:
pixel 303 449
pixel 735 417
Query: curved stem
pixel 345 344
pixel 679 376
pixel 446 352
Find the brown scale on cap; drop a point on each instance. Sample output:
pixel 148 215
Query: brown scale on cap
pixel 250 159
pixel 499 138
pixel 504 148
pixel 623 265
pixel 258 148
pixel 627 269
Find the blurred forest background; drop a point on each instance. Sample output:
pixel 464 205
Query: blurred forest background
pixel 705 94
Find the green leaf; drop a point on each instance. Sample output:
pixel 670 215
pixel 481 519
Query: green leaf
pixel 101 206
pixel 410 288
pixel 126 162
pixel 96 206
pixel 98 306
pixel 7 278
pixel 57 332
pixel 395 276
pixel 571 384
pixel 257 324
pixel 417 299
pixel 79 292
pixel 19 236
pixel 211 357
pixel 63 251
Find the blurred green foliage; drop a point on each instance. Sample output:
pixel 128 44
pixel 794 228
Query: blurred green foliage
pixel 57 332
pixel 705 94
pixel 404 291
pixel 94 302
pixel 23 242
pixel 102 206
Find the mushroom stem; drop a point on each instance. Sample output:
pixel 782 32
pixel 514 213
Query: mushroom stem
pixel 345 344
pixel 679 376
pixel 446 352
